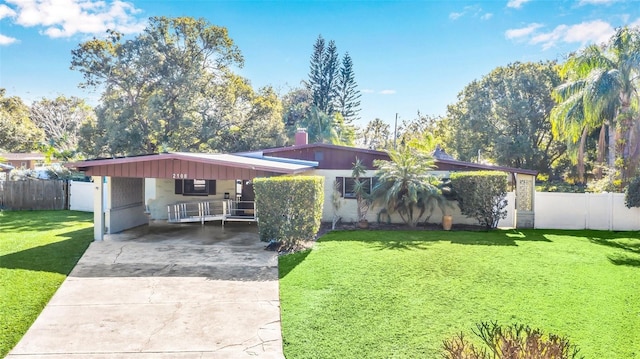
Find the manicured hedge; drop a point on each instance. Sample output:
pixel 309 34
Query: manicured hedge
pixel 289 208
pixel 481 195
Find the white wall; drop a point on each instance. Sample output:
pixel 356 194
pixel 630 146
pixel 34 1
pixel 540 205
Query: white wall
pixel 124 207
pixel 81 196
pixel 348 206
pixel 159 193
pixel 605 211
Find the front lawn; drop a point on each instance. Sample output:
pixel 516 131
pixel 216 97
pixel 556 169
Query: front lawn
pixel 37 251
pixel 399 294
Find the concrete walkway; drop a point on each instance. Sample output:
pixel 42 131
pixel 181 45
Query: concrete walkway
pixel 179 291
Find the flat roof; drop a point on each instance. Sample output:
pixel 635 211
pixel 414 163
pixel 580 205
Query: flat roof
pixel 238 161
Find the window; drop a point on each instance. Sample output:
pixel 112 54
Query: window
pixel 195 187
pixel 346 185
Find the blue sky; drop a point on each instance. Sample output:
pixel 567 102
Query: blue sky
pixel 408 55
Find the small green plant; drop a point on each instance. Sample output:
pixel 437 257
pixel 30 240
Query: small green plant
pixel 336 203
pixel 360 189
pixel 481 195
pixel 632 193
pixel 516 341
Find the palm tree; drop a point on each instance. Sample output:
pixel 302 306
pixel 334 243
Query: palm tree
pixel 324 128
pixel 601 90
pixel 405 185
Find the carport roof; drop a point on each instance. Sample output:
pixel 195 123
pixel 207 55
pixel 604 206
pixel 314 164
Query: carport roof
pixel 191 165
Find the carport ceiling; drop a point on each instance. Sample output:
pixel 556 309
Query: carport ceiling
pixel 181 165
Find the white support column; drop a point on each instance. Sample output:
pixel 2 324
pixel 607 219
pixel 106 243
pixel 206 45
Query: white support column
pixel 98 208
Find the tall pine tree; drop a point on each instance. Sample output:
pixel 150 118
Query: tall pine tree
pixel 347 99
pixel 323 75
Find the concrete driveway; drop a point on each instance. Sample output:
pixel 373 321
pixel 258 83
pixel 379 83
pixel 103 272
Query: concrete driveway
pixel 165 291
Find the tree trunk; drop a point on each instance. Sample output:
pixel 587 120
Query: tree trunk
pixel 601 152
pixel 583 140
pixel 612 146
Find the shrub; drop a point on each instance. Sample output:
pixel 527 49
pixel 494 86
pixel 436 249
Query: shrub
pixel 481 195
pixel 290 208
pixel 515 342
pixel 632 193
pixel 406 186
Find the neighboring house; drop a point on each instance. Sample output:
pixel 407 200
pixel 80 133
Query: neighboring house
pixel 4 169
pixel 130 190
pixel 27 161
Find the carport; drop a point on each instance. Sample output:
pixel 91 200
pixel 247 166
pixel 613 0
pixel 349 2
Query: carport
pixel 129 191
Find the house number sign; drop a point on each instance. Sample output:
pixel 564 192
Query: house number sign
pixel 180 176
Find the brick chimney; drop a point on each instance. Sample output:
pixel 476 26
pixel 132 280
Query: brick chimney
pixel 302 137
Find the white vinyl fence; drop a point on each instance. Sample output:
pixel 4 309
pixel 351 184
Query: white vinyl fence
pixel 604 211
pixel 81 196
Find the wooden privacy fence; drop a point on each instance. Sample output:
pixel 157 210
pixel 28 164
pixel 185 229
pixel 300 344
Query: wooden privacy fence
pixel 33 195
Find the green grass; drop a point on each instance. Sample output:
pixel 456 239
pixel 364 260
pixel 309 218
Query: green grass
pixel 399 294
pixel 37 251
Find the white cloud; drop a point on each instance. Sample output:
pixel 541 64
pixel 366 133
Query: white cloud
pixel 549 39
pixel 6 11
pixel 6 40
pixel 387 92
pixel 65 18
pixel 455 15
pixel 516 4
pixel 596 31
pixel 473 11
pixel 522 32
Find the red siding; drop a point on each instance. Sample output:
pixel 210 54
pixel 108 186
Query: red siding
pixel 173 169
pixel 332 158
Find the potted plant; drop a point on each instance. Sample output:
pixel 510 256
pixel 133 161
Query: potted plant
pixel 444 203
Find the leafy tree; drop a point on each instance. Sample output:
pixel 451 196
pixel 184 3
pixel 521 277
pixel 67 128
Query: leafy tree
pixel 17 132
pixel 60 119
pixel 405 185
pixel 601 91
pixel 296 105
pixel 259 125
pixel 423 132
pixel 376 135
pixel 162 89
pixel 347 100
pixel 504 117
